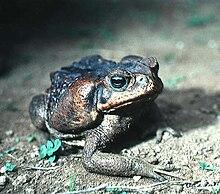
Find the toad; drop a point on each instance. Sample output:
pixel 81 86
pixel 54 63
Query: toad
pixel 98 100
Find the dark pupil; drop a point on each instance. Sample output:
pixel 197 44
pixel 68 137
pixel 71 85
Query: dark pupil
pixel 118 81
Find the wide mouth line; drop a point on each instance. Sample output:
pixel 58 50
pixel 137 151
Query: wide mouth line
pixel 133 101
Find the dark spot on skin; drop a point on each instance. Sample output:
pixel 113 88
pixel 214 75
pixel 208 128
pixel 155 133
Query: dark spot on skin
pixel 103 95
pixel 103 100
pixel 91 99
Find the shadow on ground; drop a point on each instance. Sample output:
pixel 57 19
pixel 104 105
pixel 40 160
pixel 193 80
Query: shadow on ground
pixel 184 110
pixel 190 108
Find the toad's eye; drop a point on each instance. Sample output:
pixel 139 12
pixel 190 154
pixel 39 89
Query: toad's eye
pixel 119 82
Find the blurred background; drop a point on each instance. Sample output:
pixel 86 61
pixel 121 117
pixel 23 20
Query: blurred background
pixel 169 29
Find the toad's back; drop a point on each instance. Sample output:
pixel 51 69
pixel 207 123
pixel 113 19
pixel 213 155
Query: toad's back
pixel 89 67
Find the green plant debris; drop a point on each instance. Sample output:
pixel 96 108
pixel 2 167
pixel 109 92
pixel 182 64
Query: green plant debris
pixel 11 149
pixel 204 166
pixel 48 150
pixel 169 57
pixel 198 20
pixel 114 190
pixel 9 167
pixel 173 82
pixel 43 151
pixel 17 139
pixel 72 183
pixel 52 159
pixel 31 137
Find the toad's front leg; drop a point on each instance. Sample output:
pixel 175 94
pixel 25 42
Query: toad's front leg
pixel 94 160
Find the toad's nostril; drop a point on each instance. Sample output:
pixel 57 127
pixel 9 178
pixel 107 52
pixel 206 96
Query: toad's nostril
pixel 143 79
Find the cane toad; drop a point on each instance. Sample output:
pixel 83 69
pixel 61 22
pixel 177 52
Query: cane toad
pixel 100 99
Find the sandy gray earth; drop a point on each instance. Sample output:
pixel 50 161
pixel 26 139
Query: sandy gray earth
pixel 185 37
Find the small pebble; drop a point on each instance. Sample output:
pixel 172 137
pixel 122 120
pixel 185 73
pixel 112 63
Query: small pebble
pixel 212 44
pixel 2 170
pixel 9 133
pixel 157 149
pixel 34 154
pixel 203 183
pixel 3 180
pixel 136 178
pixel 53 163
pixel 166 136
pixel 126 152
pixel 180 45
pixel 20 180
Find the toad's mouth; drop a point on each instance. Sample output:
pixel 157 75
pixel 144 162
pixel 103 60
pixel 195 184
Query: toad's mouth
pixel 133 102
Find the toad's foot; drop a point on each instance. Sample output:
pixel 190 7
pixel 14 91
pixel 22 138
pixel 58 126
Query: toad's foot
pixel 113 164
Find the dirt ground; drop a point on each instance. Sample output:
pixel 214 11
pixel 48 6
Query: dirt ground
pixel 183 35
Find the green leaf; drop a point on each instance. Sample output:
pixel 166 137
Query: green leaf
pixel 49 144
pixel 72 183
pixel 49 149
pixel 17 140
pixel 1 154
pixel 43 151
pixel 204 166
pixel 111 189
pixel 9 150
pixel 50 152
pixel 210 168
pixel 9 167
pixel 52 158
pixel 173 82
pixel 57 144
pixel 201 19
pixel 31 138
